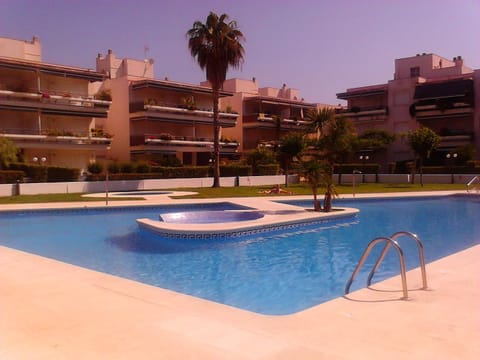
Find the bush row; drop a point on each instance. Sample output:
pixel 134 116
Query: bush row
pixel 451 170
pixel 40 173
pixel 364 168
pixel 163 172
pixel 11 176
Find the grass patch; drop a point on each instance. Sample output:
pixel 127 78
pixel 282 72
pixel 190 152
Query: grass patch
pixel 51 198
pixel 240 191
pixel 302 189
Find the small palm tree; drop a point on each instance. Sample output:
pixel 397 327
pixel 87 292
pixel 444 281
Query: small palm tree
pixel 318 118
pixel 216 45
pixel 313 173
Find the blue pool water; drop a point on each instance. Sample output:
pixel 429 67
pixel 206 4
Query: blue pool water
pixel 275 272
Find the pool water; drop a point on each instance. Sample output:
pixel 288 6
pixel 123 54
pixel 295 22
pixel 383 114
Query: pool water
pixel 277 272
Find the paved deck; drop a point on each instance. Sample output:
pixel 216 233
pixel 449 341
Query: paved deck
pixel 52 310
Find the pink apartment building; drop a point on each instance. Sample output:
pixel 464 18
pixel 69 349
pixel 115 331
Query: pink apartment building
pixel 50 111
pixel 426 90
pixel 157 120
pixel 266 113
pixel 161 119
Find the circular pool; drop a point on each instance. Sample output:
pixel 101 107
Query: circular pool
pixel 208 217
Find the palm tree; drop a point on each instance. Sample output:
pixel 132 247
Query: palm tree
pixel 313 172
pixel 216 45
pixel 318 118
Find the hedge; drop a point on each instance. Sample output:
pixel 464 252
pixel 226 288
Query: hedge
pixel 163 172
pixel 11 176
pixel 364 168
pixel 235 170
pixel 267 169
pixel 56 173
pixel 41 173
pixel 451 170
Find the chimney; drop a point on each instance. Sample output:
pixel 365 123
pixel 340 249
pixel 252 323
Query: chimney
pixel 458 61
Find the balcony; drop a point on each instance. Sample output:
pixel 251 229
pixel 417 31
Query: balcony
pixel 183 115
pixel 440 110
pixel 262 120
pixel 364 113
pixel 169 142
pixel 54 104
pixel 56 139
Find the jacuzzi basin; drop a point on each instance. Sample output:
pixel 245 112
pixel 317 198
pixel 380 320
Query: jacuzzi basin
pixel 208 217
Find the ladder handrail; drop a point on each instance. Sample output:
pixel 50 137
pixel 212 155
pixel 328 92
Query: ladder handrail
pixel 475 178
pixel 389 242
pixel 421 256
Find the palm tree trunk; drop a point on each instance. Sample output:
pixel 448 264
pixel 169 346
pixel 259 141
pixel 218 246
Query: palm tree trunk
pixel 216 140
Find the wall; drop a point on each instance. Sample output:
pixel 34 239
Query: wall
pixel 20 49
pixel 128 185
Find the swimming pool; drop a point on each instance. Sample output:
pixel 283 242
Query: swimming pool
pixel 276 272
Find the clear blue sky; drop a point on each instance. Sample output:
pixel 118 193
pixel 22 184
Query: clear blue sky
pixel 319 47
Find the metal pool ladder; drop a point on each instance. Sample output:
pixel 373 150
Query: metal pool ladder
pixel 389 242
pixel 475 179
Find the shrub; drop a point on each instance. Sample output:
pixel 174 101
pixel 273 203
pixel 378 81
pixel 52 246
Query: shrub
pixel 127 168
pixel 364 168
pixel 143 168
pixel 35 173
pixel 57 173
pixel 113 168
pixel 11 176
pixel 235 170
pixel 267 169
pixel 95 168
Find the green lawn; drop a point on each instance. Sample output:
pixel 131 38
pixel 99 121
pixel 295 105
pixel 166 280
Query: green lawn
pixel 295 189
pixel 301 189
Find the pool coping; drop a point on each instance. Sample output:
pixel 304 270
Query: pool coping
pixel 64 311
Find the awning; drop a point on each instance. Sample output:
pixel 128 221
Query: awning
pixel 449 89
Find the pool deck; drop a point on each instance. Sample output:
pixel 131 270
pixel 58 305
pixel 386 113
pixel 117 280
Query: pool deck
pixel 52 310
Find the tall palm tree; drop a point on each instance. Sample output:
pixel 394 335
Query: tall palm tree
pixel 216 45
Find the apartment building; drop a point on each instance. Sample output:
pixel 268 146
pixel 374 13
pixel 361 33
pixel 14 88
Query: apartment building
pixel 51 112
pixel 427 90
pixel 266 113
pixel 154 120
pixel 69 116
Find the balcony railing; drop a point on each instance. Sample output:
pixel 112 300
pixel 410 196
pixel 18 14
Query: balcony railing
pixel 56 99
pixel 273 119
pixel 363 111
pixel 197 112
pixel 180 141
pixel 441 110
pixel 55 102
pixel 48 136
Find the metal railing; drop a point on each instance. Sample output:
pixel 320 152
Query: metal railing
pixel 389 242
pixel 472 182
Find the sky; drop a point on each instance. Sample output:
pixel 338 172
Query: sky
pixel 320 47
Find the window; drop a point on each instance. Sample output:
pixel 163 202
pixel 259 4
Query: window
pixel 415 71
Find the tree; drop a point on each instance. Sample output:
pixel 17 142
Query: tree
pixel 8 152
pixel 318 118
pixel 422 141
pixel 291 145
pixel 333 147
pixel 314 174
pixel 216 45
